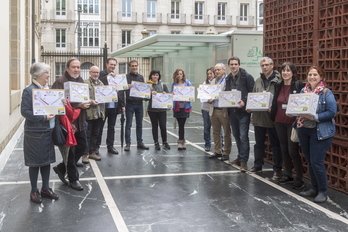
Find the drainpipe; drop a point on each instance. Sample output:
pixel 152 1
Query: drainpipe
pixel 33 19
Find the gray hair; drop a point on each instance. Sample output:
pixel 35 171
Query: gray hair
pixel 38 68
pixel 222 65
pixel 263 59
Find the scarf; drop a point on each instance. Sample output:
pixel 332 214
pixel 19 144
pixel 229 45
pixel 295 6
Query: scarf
pixel 38 84
pixel 307 89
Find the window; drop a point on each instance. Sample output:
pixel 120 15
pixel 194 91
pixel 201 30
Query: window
pixel 221 11
pixel 151 9
pixel 243 12
pixel 199 33
pixel 60 69
pixel 261 14
pixel 198 10
pixel 90 34
pixel 175 12
pixel 88 6
pixel 126 8
pixel 122 68
pixel 60 7
pixel 152 33
pixel 175 32
pixel 60 38
pixel 126 38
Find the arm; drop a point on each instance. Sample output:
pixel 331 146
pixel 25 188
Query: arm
pixel 330 108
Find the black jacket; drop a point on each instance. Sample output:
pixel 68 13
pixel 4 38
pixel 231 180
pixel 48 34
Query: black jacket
pixel 132 100
pixel 295 87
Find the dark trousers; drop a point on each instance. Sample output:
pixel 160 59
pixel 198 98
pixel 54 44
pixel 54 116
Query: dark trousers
pixel 290 150
pixel 181 125
pixel 158 118
pixel 110 116
pixel 240 130
pixel 207 129
pixel 139 113
pixel 259 147
pixel 93 133
pixel 75 153
pixel 315 151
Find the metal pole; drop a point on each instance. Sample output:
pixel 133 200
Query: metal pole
pixel 78 34
pixel 33 23
pixel 105 55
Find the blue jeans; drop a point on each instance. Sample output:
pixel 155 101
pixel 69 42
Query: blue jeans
pixel 207 127
pixel 315 151
pixel 139 113
pixel 259 147
pixel 240 130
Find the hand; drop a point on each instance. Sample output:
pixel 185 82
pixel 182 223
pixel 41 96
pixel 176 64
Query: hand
pixel 112 74
pixel 123 109
pixel 49 116
pixel 210 100
pixel 130 86
pixel 154 92
pixel 94 102
pixel 241 104
pixel 249 111
pixel 64 101
pixel 84 105
pixel 309 117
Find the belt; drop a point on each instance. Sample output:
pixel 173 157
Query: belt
pixel 217 108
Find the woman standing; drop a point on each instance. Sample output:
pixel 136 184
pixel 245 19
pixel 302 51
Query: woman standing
pixel 206 105
pixel 181 109
pixel 38 144
pixel 158 116
pixel 283 124
pixel 316 133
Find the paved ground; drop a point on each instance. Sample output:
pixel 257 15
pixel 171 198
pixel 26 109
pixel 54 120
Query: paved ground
pixel 160 191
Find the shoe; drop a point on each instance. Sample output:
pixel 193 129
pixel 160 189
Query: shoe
pixel 320 198
pixel 298 184
pixel 236 162
pixel 127 147
pixel 243 166
pixel 224 158
pixel 166 146
pixel 286 180
pixel 85 159
pixel 112 150
pixel 35 197
pixel 76 185
pixel 79 165
pixel 94 156
pixel 157 146
pixel 142 146
pixel 309 193
pixel 60 174
pixel 255 169
pixel 207 149
pixel 215 155
pixel 49 194
pixel 277 175
pixel 183 144
pixel 180 144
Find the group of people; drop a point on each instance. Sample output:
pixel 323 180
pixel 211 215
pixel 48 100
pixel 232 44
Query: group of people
pixel 315 132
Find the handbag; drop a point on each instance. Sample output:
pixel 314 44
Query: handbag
pixel 294 135
pixel 59 134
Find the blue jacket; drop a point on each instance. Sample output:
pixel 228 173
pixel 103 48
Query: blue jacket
pixel 188 105
pixel 326 111
pixel 32 122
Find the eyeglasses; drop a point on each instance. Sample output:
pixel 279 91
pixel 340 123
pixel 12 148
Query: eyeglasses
pixel 95 72
pixel 263 65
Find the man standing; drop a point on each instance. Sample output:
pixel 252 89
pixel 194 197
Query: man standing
pixel 95 116
pixel 241 80
pixel 111 109
pixel 262 121
pixel 134 106
pixel 219 117
pixel 72 73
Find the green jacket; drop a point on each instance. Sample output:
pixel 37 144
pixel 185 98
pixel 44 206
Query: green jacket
pixel 92 112
pixel 263 118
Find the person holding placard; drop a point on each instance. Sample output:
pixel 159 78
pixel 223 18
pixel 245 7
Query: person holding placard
pixel 157 116
pixel 316 133
pixel 38 145
pixel 283 124
pixel 181 109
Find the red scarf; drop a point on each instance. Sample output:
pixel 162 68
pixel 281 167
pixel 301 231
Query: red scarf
pixel 307 89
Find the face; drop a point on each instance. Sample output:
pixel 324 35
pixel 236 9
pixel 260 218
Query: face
pixel 94 73
pixel 267 68
pixel 111 65
pixel 219 71
pixel 133 67
pixel 234 66
pixel 287 73
pixel 210 75
pixel 74 69
pixel 313 77
pixel 154 77
pixel 180 75
pixel 43 78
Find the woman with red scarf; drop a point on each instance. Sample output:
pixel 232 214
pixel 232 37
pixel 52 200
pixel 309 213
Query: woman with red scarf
pixel 316 133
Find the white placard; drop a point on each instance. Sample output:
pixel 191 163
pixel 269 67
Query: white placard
pixel 120 80
pixel 184 93
pixel 302 103
pixel 48 101
pixel 162 101
pixel 209 91
pixel 261 101
pixel 105 93
pixel 140 90
pixel 229 98
pixel 76 91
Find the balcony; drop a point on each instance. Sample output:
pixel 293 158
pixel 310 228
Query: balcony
pixel 245 21
pixel 152 18
pixel 57 16
pixel 223 20
pixel 176 19
pixel 127 17
pixel 199 19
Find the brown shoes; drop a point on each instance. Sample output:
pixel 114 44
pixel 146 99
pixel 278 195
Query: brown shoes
pixel 243 166
pixel 49 194
pixel 35 197
pixel 94 156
